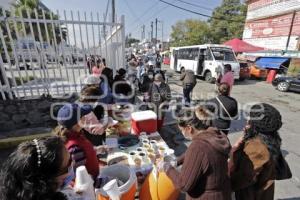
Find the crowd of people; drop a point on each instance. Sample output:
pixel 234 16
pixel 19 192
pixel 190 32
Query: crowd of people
pixel 211 168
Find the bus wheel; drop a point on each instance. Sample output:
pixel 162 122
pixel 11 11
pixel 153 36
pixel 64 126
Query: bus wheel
pixel 208 77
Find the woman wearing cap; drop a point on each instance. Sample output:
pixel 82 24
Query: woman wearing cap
pixel 159 94
pixel 203 175
pixel 37 169
pixel 253 158
pixel 69 118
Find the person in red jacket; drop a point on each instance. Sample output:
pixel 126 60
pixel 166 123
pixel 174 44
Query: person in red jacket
pixel 80 148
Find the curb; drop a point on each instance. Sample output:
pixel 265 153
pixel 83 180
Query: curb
pixel 15 141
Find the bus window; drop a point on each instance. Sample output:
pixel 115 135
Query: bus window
pixel 208 55
pixel 223 54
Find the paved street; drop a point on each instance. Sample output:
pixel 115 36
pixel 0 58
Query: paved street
pixel 246 92
pixel 288 104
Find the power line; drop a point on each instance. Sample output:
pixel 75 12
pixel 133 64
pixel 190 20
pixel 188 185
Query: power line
pixel 144 14
pixel 163 8
pixel 197 13
pixel 131 10
pixel 196 5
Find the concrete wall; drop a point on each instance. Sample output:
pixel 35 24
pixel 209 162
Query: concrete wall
pixel 33 113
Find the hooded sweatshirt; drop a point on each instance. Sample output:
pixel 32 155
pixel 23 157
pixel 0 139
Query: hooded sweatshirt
pixel 204 172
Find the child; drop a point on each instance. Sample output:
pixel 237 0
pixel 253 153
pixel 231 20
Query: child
pixel 81 149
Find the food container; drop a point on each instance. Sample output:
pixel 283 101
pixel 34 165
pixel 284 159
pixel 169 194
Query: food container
pixel 143 121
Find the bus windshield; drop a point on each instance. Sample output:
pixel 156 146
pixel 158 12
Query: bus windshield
pixel 223 54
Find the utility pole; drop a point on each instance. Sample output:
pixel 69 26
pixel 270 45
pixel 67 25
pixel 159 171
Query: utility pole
pixel 162 34
pixel 290 31
pixel 151 31
pixel 113 11
pixel 143 32
pixel 156 21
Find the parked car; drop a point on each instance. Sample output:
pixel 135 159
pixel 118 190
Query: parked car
pixel 244 71
pixel 166 61
pixel 256 72
pixel 287 83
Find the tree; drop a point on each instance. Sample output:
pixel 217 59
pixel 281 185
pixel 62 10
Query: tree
pixel 228 21
pixel 130 41
pixel 22 6
pixel 189 32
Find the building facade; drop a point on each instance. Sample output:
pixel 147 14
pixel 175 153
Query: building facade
pixel 273 24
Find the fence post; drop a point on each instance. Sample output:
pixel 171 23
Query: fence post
pixel 123 39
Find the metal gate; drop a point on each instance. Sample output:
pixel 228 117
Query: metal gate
pixel 43 53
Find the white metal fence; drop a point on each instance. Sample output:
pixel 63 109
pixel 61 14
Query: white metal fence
pixel 46 53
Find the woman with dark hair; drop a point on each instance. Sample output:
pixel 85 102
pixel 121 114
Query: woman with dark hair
pixel 106 86
pixel 121 73
pixel 203 175
pixel 224 107
pixel 122 90
pixel 254 157
pixel 37 169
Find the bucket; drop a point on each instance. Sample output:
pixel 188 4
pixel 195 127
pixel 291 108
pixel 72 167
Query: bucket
pixel 124 174
pixel 158 187
pixel 144 121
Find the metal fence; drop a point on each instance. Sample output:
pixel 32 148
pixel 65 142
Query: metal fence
pixel 46 53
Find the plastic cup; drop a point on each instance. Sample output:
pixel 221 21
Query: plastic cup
pixel 138 162
pixel 152 157
pixel 150 150
pixel 132 154
pixel 161 150
pixel 140 149
pixel 153 144
pixel 82 176
pixel 146 146
pixel 145 141
pixel 143 156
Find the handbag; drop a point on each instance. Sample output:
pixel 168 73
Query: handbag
pixel 282 168
pixel 222 105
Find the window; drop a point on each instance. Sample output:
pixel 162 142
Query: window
pixel 208 55
pixel 223 54
pixel 188 54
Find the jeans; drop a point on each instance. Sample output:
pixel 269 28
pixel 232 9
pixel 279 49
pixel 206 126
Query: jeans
pixel 187 89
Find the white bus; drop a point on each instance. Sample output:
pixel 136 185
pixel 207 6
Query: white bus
pixel 205 60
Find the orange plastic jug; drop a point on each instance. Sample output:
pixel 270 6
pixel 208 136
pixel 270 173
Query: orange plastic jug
pixel 160 188
pixel 126 175
pixel 129 195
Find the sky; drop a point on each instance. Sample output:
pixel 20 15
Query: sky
pixel 139 12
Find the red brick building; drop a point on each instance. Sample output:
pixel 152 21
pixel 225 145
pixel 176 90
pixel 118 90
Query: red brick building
pixel 269 23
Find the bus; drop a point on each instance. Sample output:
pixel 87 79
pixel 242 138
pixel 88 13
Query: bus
pixel 205 60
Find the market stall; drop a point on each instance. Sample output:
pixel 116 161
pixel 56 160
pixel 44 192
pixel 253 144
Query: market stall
pixel 129 170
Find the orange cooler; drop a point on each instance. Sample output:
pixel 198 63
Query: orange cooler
pixel 158 188
pixel 124 174
pixel 144 121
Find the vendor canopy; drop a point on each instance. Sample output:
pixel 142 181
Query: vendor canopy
pixel 240 46
pixel 270 62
